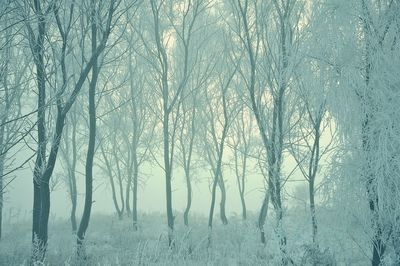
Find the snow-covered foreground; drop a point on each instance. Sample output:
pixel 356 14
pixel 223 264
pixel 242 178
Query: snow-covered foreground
pixel 113 242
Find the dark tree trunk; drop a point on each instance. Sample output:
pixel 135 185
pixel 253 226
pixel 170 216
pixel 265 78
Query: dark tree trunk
pixel 40 163
pixel 44 186
pixel 83 226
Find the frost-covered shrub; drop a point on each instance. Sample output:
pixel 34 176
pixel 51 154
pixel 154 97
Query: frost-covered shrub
pixel 315 256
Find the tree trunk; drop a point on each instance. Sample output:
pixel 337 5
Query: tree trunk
pixel 281 235
pixel 221 184
pixel 313 214
pixel 120 183
pixel 73 202
pixel 81 254
pixel 45 190
pixel 244 209
pixel 128 194
pixel 212 207
pixel 217 175
pixel 168 175
pixel 189 198
pixel 262 217
pixel 111 178
pixel 134 195
pixel 38 51
pixel 72 176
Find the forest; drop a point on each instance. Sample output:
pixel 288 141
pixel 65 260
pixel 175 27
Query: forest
pixel 200 132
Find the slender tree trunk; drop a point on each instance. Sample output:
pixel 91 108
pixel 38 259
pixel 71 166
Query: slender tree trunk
pixel 110 175
pixel 241 179
pixel 134 194
pixel 213 196
pixel 81 254
pixel 167 165
pixel 217 175
pixel 74 202
pixel 120 183
pixel 128 194
pixel 313 214
pixel 244 209
pixel 121 192
pixel 188 197
pixel 221 184
pixel 72 176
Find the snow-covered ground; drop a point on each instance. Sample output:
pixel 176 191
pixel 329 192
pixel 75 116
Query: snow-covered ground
pixel 113 242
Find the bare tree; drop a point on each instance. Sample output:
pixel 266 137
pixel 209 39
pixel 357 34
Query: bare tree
pixel 220 99
pixel 180 28
pixel 242 148
pixel 270 40
pixel 44 166
pixel 142 121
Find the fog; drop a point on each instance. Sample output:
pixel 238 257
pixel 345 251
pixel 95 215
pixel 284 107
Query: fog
pixel 199 132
